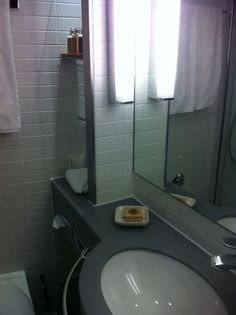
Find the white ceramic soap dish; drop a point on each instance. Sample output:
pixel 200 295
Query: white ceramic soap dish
pixel 119 216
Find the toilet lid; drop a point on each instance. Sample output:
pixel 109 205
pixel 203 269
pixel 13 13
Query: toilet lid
pixel 14 301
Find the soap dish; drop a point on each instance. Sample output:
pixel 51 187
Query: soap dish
pixel 119 216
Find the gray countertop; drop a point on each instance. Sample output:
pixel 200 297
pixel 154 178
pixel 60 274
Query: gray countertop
pixel 96 229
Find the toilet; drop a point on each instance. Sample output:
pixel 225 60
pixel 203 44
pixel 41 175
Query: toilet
pixel 14 295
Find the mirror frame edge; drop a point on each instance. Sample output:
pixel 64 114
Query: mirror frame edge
pixel 89 98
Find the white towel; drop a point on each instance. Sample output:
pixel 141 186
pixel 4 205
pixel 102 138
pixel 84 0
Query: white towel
pixel 200 58
pixel 9 100
pixel 78 180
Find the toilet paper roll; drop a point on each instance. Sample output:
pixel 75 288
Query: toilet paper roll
pixel 59 222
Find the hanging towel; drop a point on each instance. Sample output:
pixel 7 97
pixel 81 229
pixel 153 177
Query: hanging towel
pixel 9 100
pixel 199 59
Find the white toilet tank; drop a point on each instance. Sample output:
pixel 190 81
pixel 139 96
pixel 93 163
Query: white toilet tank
pixel 14 295
pixel 13 301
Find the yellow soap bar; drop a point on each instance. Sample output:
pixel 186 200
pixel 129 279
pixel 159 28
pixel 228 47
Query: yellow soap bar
pixel 132 214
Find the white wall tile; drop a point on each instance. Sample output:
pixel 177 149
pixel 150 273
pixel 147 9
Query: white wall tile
pixel 114 128
pixel 46 9
pixel 114 182
pixel 48 51
pixel 50 131
pixel 47 23
pixel 114 169
pixel 26 51
pixel 115 194
pixel 113 156
pixel 28 65
pixel 114 142
pixel 68 10
pixel 23 37
pixel 191 141
pixel 113 122
pixel 27 23
pixel 48 38
pixel 32 78
pixel 112 113
pixel 65 24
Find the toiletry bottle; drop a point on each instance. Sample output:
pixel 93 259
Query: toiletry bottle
pixel 75 42
pixel 80 42
pixel 69 42
pixel 77 31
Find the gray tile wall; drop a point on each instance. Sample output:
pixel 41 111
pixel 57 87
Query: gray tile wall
pixel 150 114
pixel 191 148
pixel 150 139
pixel 113 123
pixel 193 137
pixel 51 95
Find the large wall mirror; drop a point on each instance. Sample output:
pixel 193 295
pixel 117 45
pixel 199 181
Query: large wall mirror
pixel 186 145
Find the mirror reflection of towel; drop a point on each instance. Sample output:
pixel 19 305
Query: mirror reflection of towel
pixel 199 58
pixel 9 102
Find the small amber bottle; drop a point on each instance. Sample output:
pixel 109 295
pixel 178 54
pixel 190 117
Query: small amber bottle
pixel 76 31
pixel 80 42
pixel 72 42
pixel 79 35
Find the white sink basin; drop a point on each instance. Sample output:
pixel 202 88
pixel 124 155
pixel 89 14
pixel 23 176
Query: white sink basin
pixel 148 283
pixel 229 223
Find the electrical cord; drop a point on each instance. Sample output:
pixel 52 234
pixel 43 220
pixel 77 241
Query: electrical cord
pixel 64 304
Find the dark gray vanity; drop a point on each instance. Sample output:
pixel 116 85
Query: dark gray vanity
pixel 96 230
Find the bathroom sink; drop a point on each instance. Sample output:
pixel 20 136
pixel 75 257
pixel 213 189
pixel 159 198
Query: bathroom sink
pixel 229 223
pixel 146 282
